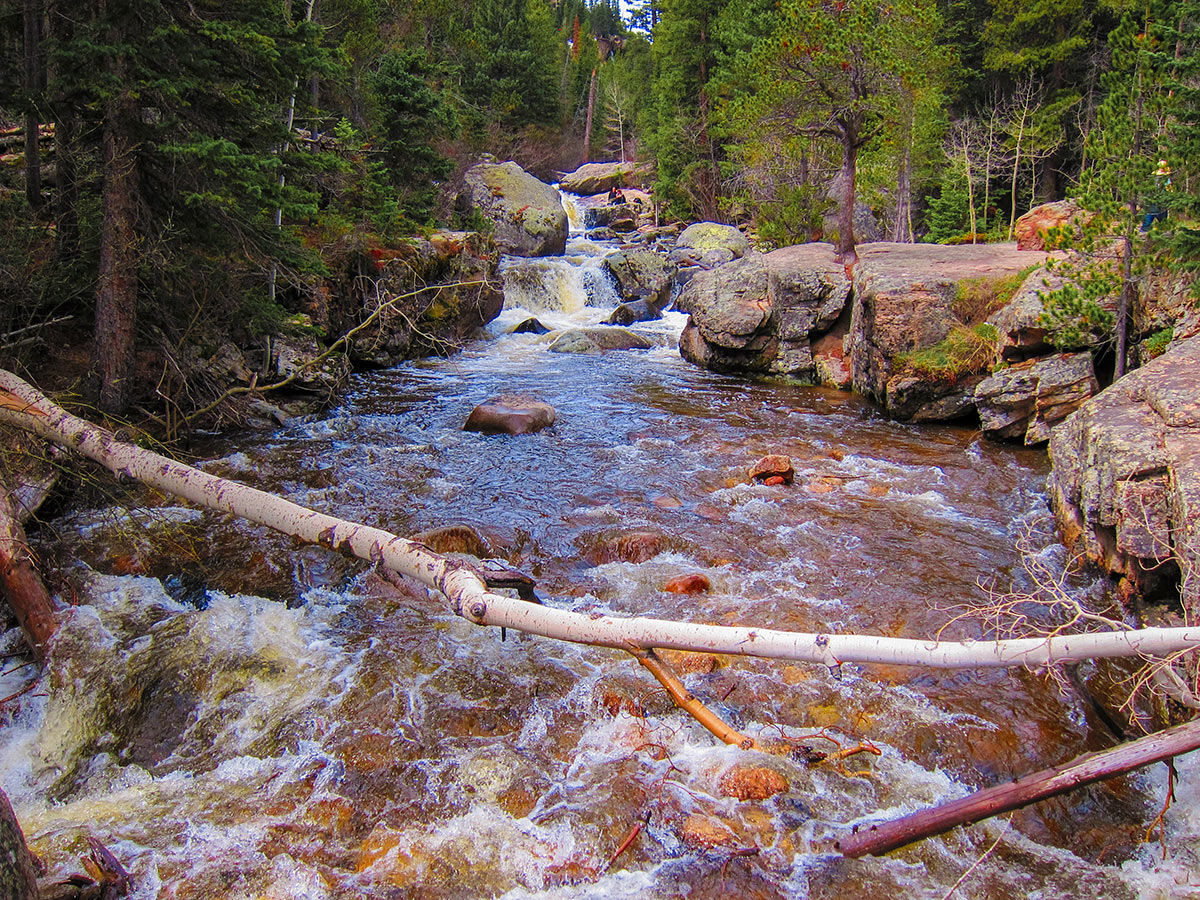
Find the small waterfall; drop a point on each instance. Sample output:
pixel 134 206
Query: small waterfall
pixel 562 284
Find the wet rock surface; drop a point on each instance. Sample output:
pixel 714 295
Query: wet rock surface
pixel 1126 480
pixel 510 414
pixel 599 340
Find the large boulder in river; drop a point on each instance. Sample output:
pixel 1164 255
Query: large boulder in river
pixel 907 297
pixel 1026 400
pixel 510 414
pixel 1126 479
pixel 527 214
pixel 601 177
pixel 761 313
pixel 704 236
pixel 641 275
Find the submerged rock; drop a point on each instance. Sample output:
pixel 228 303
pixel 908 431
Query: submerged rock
pixel 752 782
pixel 454 539
pixel 510 414
pixel 599 340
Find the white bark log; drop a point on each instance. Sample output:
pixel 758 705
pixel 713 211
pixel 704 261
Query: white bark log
pixel 469 597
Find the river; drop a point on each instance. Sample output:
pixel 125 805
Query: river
pixel 237 717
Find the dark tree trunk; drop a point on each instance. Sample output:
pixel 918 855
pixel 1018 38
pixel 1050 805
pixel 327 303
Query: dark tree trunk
pixel 66 194
pixel 116 290
pixel 18 878
pixel 845 238
pixel 591 109
pixel 34 84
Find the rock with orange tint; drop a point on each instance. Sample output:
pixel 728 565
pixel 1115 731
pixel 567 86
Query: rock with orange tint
pixel 694 583
pixel 687 663
pixel 518 801
pixel 752 783
pixel 635 547
pixel 1030 230
pixel 667 502
pixel 701 832
pixel 454 539
pixel 774 481
pixel 615 703
pixel 776 465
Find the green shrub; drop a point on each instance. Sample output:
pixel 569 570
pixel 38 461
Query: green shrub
pixel 1157 343
pixel 964 351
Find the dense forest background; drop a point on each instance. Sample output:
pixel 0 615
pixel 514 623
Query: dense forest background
pixel 171 167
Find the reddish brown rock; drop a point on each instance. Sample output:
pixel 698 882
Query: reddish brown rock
pixel 752 783
pixel 634 547
pixel 773 466
pixel 774 481
pixel 454 539
pixel 701 832
pixel 510 414
pixel 687 584
pixel 1030 230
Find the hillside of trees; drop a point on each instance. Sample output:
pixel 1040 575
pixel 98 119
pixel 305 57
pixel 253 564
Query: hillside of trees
pixel 173 169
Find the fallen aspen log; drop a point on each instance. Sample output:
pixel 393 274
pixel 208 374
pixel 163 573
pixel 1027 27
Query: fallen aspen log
pixel 884 837
pixel 27 408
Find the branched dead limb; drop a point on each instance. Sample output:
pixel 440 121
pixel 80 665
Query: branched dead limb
pixel 688 702
pixel 335 347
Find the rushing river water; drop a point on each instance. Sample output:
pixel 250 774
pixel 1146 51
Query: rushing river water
pixel 237 717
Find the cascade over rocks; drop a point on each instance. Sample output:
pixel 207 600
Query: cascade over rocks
pixel 527 214
pixel 1026 400
pixel 1126 479
pixel 760 313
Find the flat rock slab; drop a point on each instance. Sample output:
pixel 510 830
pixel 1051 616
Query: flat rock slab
pixel 510 414
pixel 599 340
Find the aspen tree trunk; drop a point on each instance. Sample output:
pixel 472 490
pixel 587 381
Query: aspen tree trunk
pixel 468 597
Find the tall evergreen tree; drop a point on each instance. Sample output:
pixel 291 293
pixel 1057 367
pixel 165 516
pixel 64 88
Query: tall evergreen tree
pixel 191 98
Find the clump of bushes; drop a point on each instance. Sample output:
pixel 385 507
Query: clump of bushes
pixel 964 351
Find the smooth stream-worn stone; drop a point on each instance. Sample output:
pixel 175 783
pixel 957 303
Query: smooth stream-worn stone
pixel 527 215
pixel 510 414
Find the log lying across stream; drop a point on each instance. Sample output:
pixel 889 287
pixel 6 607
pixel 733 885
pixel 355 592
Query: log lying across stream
pixel 25 407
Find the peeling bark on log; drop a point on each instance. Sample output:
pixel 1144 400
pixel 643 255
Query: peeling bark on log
pixel 468 596
pixel 31 603
pixel 1088 769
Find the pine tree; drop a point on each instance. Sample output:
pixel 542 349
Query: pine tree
pixel 839 74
